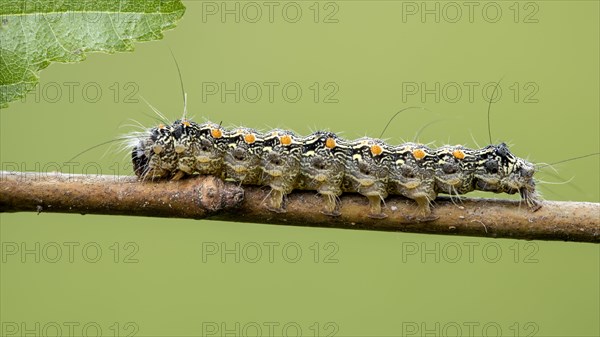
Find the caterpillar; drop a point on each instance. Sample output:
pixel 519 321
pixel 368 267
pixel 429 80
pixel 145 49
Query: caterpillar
pixel 330 165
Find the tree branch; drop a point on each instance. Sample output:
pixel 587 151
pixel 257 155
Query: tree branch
pixel 207 197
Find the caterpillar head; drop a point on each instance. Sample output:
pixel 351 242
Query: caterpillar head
pixel 501 171
pixel 520 179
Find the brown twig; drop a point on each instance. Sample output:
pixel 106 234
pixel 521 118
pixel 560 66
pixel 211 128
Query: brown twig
pixel 210 198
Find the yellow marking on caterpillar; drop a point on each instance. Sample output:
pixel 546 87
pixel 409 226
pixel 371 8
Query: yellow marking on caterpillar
pixel 285 140
pixel 458 154
pixel 249 138
pixel 376 150
pixel 418 154
pixel 330 143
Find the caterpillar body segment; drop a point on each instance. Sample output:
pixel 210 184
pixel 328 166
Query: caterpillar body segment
pixel 243 155
pixel 197 151
pixel 454 169
pixel 206 149
pixel 322 167
pixel 413 176
pixel 367 172
pixel 330 165
pixel 280 163
pixel 186 139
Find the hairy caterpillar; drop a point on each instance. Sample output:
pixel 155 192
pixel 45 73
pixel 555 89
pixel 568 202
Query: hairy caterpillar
pixel 329 165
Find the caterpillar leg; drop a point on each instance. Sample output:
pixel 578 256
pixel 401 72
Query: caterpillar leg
pixel 331 206
pixel 532 199
pixel 423 212
pixel 274 201
pixel 534 205
pixel 178 175
pixel 375 207
pixel 422 192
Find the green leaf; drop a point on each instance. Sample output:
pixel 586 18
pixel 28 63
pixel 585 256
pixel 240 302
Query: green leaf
pixel 35 33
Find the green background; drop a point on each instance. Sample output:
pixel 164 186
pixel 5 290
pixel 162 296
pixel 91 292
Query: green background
pixel 346 283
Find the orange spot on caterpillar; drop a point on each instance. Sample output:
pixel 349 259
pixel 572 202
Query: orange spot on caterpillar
pixel 376 150
pixel 458 154
pixel 330 143
pixel 418 154
pixel 285 140
pixel 249 138
pixel 161 126
pixel 216 133
pixel 185 123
